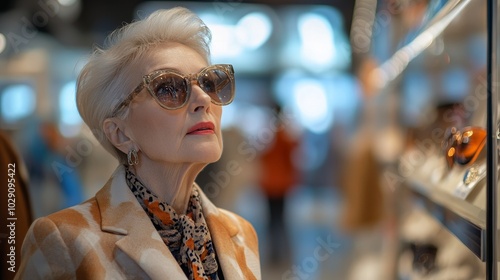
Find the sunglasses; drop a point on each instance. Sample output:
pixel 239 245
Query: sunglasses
pixel 171 90
pixel 463 147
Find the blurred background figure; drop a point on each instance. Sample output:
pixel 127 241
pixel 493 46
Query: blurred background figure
pixel 363 204
pixel 52 162
pixel 277 176
pixel 361 181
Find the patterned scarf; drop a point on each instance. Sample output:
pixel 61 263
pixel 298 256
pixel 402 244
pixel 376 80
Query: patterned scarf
pixel 186 236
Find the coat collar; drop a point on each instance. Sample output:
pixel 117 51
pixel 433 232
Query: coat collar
pixel 122 214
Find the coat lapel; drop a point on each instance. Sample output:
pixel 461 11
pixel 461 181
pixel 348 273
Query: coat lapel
pixel 121 214
pixel 235 258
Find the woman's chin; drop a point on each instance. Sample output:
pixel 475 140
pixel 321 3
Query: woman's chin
pixel 205 155
pixel 210 157
pixel 205 152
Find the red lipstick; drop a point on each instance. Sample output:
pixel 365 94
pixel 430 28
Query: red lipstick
pixel 202 128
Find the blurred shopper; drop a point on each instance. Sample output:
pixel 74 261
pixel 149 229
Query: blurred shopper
pixel 52 165
pixel 154 101
pixel 361 179
pixel 364 214
pixel 277 177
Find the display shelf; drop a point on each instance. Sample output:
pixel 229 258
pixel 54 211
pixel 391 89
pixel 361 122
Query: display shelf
pixel 463 219
pixel 434 187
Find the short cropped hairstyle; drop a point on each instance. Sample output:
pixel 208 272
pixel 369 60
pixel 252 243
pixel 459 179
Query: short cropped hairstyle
pixel 105 80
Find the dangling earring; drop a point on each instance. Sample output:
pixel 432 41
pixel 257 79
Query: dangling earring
pixel 132 157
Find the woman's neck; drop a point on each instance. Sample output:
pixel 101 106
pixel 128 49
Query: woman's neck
pixel 172 183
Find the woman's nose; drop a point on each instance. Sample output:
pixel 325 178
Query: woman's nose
pixel 199 99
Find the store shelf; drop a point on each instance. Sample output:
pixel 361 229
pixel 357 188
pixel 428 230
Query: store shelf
pixel 463 219
pixel 433 188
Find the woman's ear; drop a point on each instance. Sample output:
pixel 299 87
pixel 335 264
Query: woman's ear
pixel 114 130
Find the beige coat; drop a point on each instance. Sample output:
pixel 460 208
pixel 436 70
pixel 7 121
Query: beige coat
pixel 111 237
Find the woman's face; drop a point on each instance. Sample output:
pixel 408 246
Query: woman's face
pixel 165 136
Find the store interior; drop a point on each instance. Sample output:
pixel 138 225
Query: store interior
pixel 373 112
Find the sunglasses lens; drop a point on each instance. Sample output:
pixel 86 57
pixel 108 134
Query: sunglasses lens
pixel 171 90
pixel 470 146
pixel 218 85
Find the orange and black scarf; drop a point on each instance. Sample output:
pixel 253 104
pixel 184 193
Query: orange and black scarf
pixel 186 235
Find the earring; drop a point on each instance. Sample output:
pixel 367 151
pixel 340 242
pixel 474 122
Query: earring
pixel 132 157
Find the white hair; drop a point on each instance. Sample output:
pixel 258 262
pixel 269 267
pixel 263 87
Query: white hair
pixel 105 80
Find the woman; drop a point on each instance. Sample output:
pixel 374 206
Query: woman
pixel 156 100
